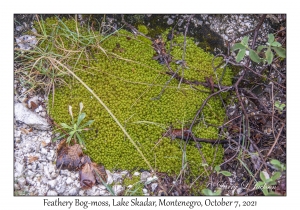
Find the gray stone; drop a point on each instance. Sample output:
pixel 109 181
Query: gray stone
pixel 46 172
pixel 153 186
pixel 117 177
pixel 26 42
pixel 239 190
pixel 16 187
pixel 52 183
pixel 73 191
pixel 77 183
pixel 38 184
pixel 19 28
pixel 97 192
pixel 59 178
pixel 44 151
pixel 110 179
pixel 51 167
pixel 17 139
pixel 91 191
pixel 145 191
pixel 44 180
pixel 60 189
pixel 21 182
pixel 40 108
pixel 65 172
pixel 17 134
pixel 136 173
pixel 144 176
pixel 52 193
pixel 30 173
pixel 102 187
pixel 43 114
pixel 73 176
pixel 170 21
pixel 41 166
pixel 69 180
pixel 30 118
pixel 47 139
pixel 81 192
pixel 103 192
pixel 30 181
pixel 124 173
pixel 151 179
pixel 43 190
pixel 50 155
pixel 117 189
pixel 19 168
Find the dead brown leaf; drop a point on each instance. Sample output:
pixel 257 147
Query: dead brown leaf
pixel 69 157
pixel 32 158
pixel 86 176
pixel 33 105
pixel 25 131
pixel 61 144
pixel 72 158
pixel 43 143
pixel 99 170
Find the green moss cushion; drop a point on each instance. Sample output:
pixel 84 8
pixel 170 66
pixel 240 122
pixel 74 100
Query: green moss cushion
pixel 127 79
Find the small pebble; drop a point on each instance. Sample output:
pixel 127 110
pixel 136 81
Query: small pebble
pixel 52 193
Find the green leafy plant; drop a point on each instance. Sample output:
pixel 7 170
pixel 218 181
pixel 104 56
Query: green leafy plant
pixel 265 50
pixel 267 182
pixel 218 191
pixel 279 106
pixel 74 130
pixel 278 165
pixel 208 192
pixel 218 170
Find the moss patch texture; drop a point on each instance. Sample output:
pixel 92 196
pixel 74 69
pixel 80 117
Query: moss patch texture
pixel 127 79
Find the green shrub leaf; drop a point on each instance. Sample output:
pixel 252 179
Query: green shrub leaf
pixel 245 40
pixel 238 46
pixel 260 183
pixel 240 55
pixel 280 51
pixel 276 44
pixel 276 176
pixel 269 56
pixel 262 177
pixel 226 173
pixel 271 183
pixel 265 191
pixel 271 193
pixel 271 38
pixel 254 56
pixel 275 162
pixel 207 192
pixel 218 192
pixel 217 168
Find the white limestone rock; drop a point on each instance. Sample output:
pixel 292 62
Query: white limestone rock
pixel 30 118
